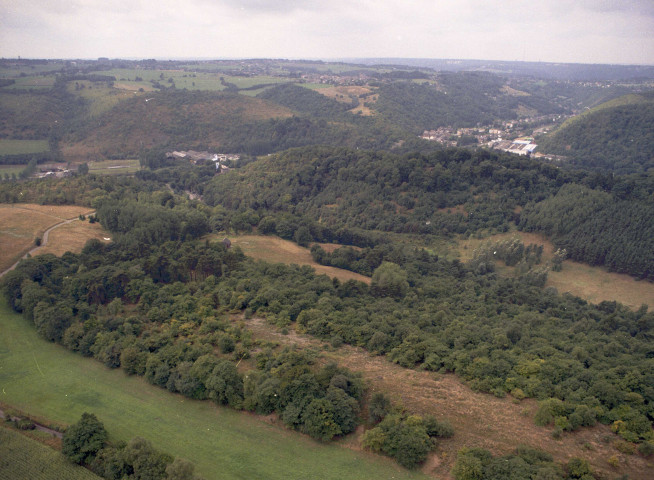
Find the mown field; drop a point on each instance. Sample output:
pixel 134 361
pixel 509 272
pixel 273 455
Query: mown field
pixel 277 250
pixel 48 381
pixel 20 224
pixel 15 147
pixel 594 284
pixel 24 458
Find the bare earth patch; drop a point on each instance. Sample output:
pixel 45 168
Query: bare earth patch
pixel 277 250
pixel 480 420
pixel 21 223
pixel 594 284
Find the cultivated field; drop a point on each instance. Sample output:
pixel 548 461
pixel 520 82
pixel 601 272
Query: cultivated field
pixel 480 420
pixel 15 147
pixel 114 167
pixel 24 458
pixel 277 250
pixel 594 284
pixel 47 381
pixel 20 224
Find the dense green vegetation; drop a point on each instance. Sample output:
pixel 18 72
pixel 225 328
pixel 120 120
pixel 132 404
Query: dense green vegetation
pixel 524 464
pixel 458 99
pixel 598 228
pixel 617 138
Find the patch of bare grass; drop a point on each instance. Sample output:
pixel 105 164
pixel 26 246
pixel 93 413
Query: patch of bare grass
pixel 277 250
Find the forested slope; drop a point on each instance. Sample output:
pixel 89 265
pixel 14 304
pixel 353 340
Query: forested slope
pixel 616 137
pixel 597 228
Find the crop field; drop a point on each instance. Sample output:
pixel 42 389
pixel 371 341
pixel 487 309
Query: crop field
pixel 49 382
pixel 126 79
pixel 20 224
pixel 15 147
pixel 24 458
pixel 277 250
pixel 594 284
pixel 114 167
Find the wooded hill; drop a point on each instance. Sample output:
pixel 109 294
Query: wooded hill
pixel 616 136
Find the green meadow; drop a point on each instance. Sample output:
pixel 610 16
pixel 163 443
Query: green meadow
pixel 49 382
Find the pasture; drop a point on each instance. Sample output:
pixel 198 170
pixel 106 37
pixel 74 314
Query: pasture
pixel 16 147
pixel 23 457
pixel 594 284
pixel 49 382
pixel 277 250
pixel 20 224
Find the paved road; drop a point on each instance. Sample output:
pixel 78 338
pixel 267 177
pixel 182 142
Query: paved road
pixel 44 240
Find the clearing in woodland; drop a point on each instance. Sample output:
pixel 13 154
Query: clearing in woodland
pixel 594 284
pixel 47 381
pixel 22 223
pixel 276 250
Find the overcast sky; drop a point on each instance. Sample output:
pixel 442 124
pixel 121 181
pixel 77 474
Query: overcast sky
pixel 586 31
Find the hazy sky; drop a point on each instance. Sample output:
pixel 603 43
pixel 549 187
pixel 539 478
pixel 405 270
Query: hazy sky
pixel 587 31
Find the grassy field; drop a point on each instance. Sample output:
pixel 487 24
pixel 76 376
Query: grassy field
pixel 24 458
pixel 49 382
pixel 594 284
pixel 15 147
pixel 277 250
pixel 115 167
pixel 72 237
pixel 20 224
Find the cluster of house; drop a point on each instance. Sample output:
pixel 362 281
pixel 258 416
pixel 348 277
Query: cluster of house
pixel 201 157
pixel 450 136
pixel 54 172
pixel 519 146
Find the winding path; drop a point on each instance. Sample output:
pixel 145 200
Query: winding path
pixel 44 240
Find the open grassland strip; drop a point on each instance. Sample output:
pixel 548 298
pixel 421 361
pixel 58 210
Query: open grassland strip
pixel 17 147
pixel 48 381
pixel 593 284
pixel 276 250
pixel 24 458
pixel 480 420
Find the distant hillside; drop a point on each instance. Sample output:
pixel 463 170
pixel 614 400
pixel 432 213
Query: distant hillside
pixel 464 99
pixel 176 119
pixel 304 100
pixel 169 119
pixel 616 135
